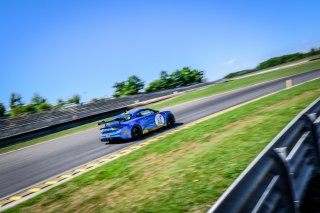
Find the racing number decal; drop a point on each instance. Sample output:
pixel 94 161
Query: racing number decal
pixel 159 119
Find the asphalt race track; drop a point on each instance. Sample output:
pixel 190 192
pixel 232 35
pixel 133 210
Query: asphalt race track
pixel 26 167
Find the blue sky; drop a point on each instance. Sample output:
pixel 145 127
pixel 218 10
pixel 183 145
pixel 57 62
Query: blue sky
pixel 58 48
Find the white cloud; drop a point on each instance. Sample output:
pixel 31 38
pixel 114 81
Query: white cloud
pixel 231 61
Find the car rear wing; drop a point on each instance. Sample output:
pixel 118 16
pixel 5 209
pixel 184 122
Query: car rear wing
pixel 106 123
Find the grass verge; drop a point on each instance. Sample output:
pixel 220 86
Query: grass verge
pixel 183 172
pixel 215 89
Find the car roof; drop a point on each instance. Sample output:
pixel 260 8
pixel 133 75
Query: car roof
pixel 134 111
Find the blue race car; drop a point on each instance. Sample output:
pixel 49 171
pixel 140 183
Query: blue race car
pixel 134 123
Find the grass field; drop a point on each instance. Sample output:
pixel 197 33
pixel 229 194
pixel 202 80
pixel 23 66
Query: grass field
pixel 215 89
pixel 183 172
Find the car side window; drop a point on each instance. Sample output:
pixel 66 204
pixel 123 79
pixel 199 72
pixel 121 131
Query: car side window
pixel 145 112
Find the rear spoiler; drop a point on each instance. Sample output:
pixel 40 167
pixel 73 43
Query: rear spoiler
pixel 106 123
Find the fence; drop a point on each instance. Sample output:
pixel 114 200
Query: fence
pixel 277 179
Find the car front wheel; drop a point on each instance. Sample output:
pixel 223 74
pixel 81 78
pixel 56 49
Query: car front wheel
pixel 170 120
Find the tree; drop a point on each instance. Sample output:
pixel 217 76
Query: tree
pixel 154 86
pixel 37 99
pixel 2 110
pixel 60 102
pixel 133 85
pixel 15 100
pixel 74 99
pixel 165 80
pixel 196 76
pixel 164 75
pixel 120 87
pixel 130 87
pixel 313 51
pixel 94 100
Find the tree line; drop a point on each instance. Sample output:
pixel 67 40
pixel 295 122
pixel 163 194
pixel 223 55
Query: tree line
pixel 183 77
pixel 275 61
pixel 37 104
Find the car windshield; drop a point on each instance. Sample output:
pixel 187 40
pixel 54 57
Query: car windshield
pixel 123 117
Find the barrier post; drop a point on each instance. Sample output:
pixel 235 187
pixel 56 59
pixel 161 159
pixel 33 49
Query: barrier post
pixel 288 83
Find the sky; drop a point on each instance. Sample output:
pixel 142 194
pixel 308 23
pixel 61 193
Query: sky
pixel 59 48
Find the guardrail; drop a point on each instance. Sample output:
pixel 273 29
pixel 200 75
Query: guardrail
pixel 278 178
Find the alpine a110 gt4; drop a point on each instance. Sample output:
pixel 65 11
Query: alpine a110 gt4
pixel 134 123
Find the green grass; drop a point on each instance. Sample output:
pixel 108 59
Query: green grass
pixel 215 89
pixel 183 172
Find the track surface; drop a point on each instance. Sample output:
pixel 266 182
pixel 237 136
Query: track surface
pixel 26 167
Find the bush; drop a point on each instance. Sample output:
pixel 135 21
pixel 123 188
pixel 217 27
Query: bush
pixel 280 60
pixel 239 73
pixel 44 107
pixel 30 108
pixel 16 111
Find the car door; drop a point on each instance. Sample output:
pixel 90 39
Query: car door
pixel 148 117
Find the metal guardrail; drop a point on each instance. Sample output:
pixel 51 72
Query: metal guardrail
pixel 277 179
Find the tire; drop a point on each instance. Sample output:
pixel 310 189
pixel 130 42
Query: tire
pixel 170 120
pixel 136 132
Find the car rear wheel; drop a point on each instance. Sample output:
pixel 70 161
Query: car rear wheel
pixel 170 120
pixel 136 132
